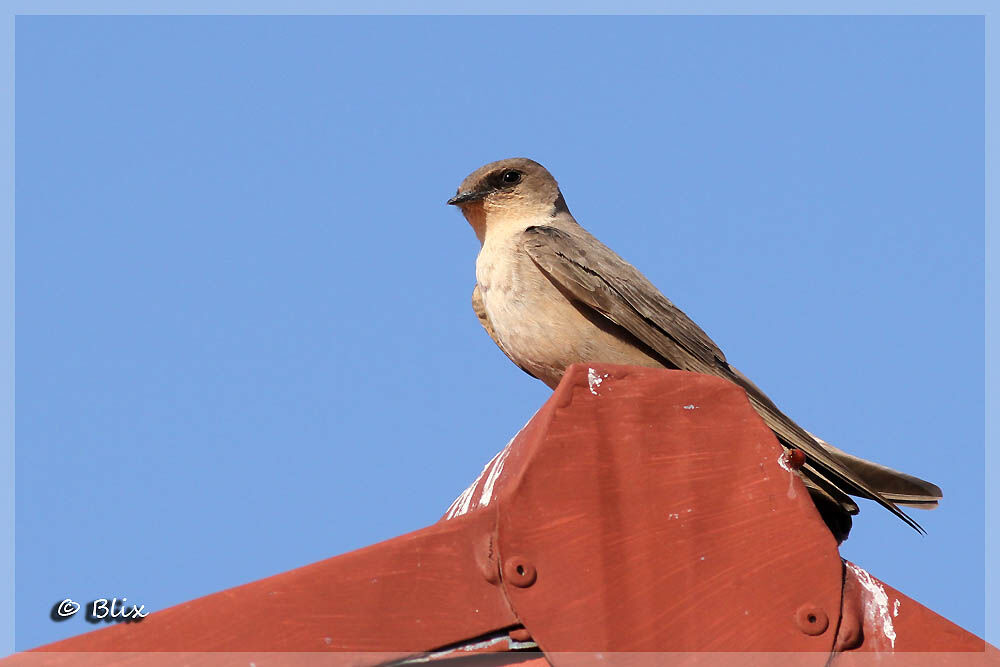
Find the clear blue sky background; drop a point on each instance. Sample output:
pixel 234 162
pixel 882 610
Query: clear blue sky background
pixel 244 340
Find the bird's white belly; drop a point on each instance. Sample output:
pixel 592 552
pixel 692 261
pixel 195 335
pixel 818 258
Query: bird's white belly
pixel 537 326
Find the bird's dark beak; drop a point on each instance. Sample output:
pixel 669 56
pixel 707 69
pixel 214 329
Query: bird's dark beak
pixel 467 196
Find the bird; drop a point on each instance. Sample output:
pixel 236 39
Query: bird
pixel 550 294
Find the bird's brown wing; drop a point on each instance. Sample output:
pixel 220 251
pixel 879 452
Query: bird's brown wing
pixel 484 320
pixel 599 279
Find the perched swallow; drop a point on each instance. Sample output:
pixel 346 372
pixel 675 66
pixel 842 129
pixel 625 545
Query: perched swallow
pixel 550 295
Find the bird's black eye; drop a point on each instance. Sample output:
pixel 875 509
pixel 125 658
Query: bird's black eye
pixel 511 177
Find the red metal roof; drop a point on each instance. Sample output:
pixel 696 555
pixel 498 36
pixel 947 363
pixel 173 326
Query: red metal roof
pixel 639 511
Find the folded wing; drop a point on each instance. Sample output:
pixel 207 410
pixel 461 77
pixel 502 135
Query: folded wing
pixel 599 279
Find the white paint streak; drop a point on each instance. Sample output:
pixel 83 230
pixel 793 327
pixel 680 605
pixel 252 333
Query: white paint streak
pixel 491 479
pixel 467 647
pixel 673 516
pixel 895 609
pixel 595 380
pixel 491 472
pixel 692 406
pixel 463 503
pixel 783 462
pixel 876 604
pixel 460 505
pixel 478 645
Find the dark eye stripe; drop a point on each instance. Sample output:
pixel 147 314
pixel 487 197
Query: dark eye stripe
pixel 504 179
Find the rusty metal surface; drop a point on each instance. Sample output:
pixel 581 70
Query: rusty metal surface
pixel 641 517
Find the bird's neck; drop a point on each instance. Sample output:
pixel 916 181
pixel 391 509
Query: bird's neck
pixel 493 224
pixel 476 215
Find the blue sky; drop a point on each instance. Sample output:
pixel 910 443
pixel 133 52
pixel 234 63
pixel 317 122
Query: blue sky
pixel 244 341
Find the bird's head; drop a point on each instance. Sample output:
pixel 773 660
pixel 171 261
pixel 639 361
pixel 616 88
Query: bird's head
pixel 508 192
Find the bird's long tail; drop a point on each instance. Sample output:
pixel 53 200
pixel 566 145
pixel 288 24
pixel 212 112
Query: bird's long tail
pixel 893 485
pixel 836 473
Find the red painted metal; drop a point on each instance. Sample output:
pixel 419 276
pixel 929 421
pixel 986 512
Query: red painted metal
pixel 417 592
pixel 876 618
pixel 655 512
pixel 640 512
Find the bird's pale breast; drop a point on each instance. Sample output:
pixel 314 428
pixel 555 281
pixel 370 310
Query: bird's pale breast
pixel 536 324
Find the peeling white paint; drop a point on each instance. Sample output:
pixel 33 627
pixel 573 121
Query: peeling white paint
pixel 783 462
pixel 876 603
pixel 484 646
pixel 491 479
pixel 895 609
pixel 691 406
pixel 477 645
pixel 460 505
pixel 595 380
pixel 463 503
pixel 673 516
pixel 491 473
pixel 467 647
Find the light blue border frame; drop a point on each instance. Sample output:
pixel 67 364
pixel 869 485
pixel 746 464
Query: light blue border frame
pixel 714 7
pixel 7 352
